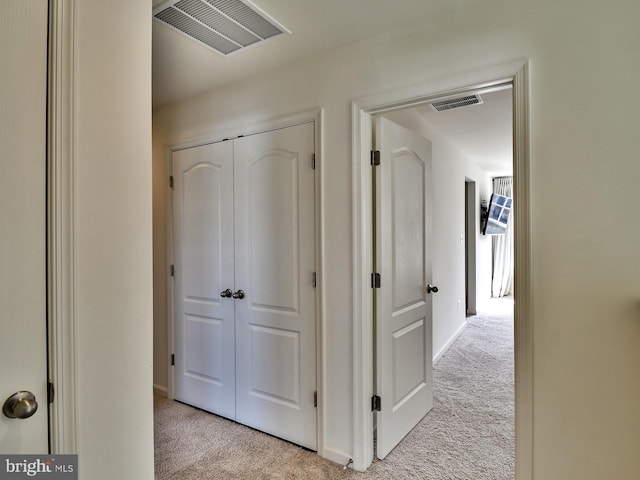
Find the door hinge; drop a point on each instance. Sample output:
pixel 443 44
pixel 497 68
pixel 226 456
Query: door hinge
pixel 173 271
pixel 376 403
pixel 313 161
pixel 375 280
pixel 315 280
pixel 171 181
pixel 173 359
pixel 315 399
pixel 51 392
pixel 375 157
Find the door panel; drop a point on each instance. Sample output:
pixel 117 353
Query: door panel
pixel 269 212
pixel 408 349
pixel 275 261
pixel 23 100
pixel 403 307
pixel 204 373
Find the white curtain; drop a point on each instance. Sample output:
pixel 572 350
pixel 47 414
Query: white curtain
pixel 503 259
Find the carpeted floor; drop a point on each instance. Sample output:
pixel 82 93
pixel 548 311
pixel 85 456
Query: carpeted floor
pixel 469 434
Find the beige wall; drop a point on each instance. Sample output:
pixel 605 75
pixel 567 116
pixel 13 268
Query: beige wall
pixel 584 77
pixel 113 239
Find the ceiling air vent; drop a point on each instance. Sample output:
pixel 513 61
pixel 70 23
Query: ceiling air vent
pixel 456 103
pixel 226 26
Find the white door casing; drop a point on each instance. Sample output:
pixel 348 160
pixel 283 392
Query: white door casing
pixel 244 219
pixel 404 378
pixel 23 100
pixel 275 263
pixel 515 73
pixel 204 332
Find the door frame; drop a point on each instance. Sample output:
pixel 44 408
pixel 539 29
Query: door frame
pixel 61 213
pixel 515 74
pixel 313 115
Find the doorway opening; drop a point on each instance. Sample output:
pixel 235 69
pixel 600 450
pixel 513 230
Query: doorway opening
pixel 470 266
pixel 471 143
pixel 516 76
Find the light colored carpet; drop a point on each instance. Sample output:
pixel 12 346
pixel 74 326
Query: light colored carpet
pixel 469 434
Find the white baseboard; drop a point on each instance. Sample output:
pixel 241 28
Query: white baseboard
pixel 336 456
pixel 442 351
pixel 160 391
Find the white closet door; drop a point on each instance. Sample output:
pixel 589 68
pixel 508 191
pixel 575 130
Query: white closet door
pixel 403 304
pixel 204 373
pixel 275 262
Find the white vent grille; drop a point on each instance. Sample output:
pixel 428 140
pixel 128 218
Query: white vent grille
pixel 456 103
pixel 226 26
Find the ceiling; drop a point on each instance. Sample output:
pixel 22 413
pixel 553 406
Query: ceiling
pixel 183 68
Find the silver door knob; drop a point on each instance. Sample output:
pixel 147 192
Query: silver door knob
pixel 239 294
pixel 432 288
pixel 20 405
pixel 226 293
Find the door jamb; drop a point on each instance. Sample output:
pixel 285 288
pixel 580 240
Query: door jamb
pixel 517 74
pixel 315 115
pixel 61 284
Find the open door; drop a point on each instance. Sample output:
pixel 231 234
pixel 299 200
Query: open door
pixel 23 319
pixel 403 324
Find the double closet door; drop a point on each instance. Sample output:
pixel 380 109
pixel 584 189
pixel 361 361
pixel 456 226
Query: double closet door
pixel 244 268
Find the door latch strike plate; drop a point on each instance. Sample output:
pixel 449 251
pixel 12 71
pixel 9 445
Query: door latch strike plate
pixel 51 392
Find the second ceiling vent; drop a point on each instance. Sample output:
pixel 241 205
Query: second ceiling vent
pixel 226 26
pixel 456 103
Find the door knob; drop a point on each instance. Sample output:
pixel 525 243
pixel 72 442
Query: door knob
pixel 432 288
pixel 226 293
pixel 20 405
pixel 239 294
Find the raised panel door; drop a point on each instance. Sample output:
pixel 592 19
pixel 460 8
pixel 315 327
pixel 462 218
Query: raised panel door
pixel 204 334
pixel 275 263
pixel 403 306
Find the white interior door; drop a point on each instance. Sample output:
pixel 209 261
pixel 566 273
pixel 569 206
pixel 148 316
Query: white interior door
pixel 275 263
pixel 204 333
pixel 23 347
pixel 403 324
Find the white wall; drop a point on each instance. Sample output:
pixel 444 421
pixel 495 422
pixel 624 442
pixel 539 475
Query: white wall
pixel 113 239
pixel 450 168
pixel 586 281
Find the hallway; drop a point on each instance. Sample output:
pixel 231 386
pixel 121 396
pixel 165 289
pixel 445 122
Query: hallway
pixel 469 434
